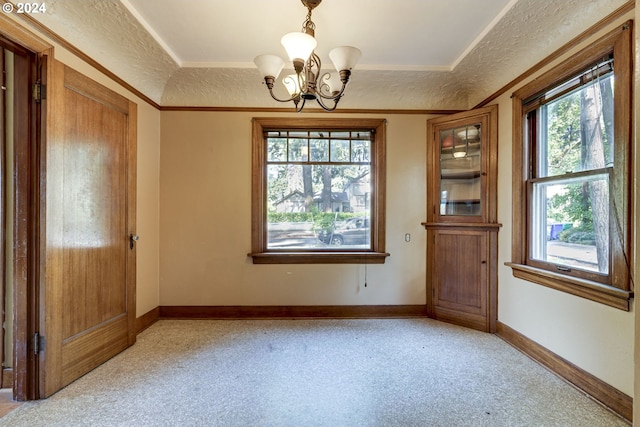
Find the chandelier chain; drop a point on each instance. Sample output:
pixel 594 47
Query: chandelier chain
pixel 308 26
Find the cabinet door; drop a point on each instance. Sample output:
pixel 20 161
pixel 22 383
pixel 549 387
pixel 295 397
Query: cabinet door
pixel 459 277
pixel 462 167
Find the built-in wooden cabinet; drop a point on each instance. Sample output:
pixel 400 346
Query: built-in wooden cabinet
pixel 462 227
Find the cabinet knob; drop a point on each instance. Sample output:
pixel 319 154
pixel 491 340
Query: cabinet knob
pixel 483 262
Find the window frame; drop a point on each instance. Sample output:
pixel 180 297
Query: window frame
pixel 260 254
pixel 616 289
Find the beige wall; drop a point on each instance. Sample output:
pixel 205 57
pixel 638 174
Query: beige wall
pixel 592 336
pixel 205 222
pixel 148 205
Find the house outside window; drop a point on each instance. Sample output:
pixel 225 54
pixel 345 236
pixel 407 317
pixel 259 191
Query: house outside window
pixel 318 191
pixel 571 174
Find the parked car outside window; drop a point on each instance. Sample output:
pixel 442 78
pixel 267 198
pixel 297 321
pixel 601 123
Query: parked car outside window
pixel 354 231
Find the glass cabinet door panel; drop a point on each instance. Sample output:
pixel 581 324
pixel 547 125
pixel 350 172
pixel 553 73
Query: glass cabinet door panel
pixel 460 171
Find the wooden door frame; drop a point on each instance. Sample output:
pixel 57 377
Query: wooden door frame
pixel 28 262
pixel 3 219
pixel 26 223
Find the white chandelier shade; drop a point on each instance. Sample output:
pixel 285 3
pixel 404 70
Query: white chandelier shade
pixel 298 45
pixel 269 65
pixel 345 57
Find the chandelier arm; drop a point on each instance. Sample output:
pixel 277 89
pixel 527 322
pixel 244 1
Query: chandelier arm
pixel 333 95
pixel 324 107
pixel 269 82
pixel 318 62
pixel 344 78
pixel 299 108
pixel 293 98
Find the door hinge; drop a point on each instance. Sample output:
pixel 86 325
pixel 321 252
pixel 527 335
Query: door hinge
pixel 39 91
pixel 38 343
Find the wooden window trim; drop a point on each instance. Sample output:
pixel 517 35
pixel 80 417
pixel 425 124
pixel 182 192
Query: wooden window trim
pixel 619 292
pixel 259 252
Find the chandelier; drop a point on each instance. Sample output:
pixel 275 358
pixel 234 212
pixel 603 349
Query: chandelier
pixel 308 83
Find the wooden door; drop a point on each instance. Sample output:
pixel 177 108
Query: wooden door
pixel 89 289
pixel 459 280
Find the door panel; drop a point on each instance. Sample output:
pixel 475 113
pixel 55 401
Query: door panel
pixel 94 220
pixel 459 280
pixel 90 268
pixel 101 344
pixel 459 275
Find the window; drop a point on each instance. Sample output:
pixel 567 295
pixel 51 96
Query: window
pixel 318 191
pixel 571 174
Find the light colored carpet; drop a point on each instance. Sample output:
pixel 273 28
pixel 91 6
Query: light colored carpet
pixel 316 372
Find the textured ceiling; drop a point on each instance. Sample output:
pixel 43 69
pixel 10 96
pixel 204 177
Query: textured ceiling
pixel 417 54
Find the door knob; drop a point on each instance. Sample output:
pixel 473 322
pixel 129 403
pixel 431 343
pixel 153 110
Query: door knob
pixel 133 238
